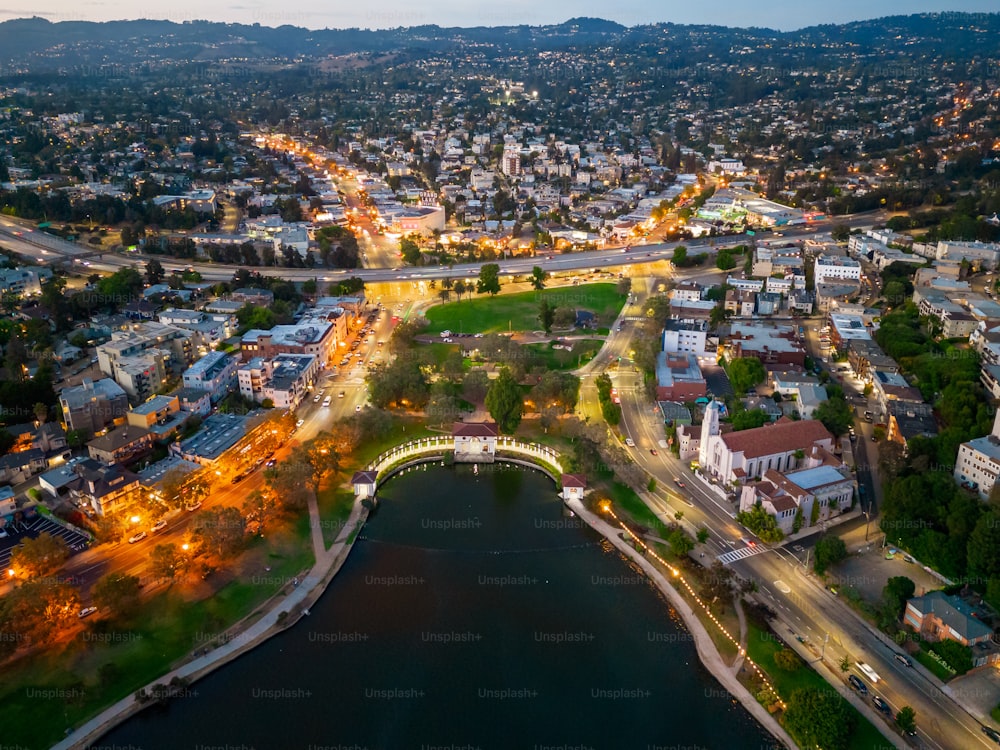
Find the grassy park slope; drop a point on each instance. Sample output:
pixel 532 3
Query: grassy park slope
pixel 519 312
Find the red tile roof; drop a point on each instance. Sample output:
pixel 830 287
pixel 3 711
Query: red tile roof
pixel 574 480
pixel 780 437
pixel 474 429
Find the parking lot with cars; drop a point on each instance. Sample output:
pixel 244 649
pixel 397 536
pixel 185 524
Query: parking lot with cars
pixel 33 525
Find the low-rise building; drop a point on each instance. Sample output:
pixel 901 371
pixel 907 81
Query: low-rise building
pixel 315 337
pixel 978 461
pixel 773 345
pixel 218 433
pixel 121 445
pixel 836 269
pixel 105 488
pixel 284 380
pixel 214 373
pixel 679 378
pixel 93 405
pixel 685 338
pixel 938 616
pixel 475 441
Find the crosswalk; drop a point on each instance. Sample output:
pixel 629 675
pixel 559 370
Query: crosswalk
pixel 740 554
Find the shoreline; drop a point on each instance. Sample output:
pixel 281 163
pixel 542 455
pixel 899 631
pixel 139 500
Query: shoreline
pixel 245 636
pixel 259 626
pixel 708 654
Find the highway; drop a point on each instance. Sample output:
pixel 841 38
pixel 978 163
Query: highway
pixel 43 248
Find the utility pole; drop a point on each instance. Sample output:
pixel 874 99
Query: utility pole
pixel 825 641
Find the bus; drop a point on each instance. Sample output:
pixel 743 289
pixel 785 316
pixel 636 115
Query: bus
pixel 868 672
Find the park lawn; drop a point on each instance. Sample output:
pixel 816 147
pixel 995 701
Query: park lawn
pixel 761 648
pixel 559 359
pixel 439 352
pixel 519 312
pixel 626 498
pixel 335 503
pixel 167 626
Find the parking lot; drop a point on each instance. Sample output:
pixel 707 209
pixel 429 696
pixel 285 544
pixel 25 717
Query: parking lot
pixel 31 528
pixel 867 570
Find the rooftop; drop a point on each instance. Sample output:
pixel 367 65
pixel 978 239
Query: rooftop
pixel 783 436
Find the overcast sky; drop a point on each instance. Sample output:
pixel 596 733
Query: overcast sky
pixel 380 14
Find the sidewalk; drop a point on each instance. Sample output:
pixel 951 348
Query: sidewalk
pixel 283 613
pixel 707 652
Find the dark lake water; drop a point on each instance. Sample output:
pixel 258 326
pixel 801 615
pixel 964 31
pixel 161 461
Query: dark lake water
pixel 472 613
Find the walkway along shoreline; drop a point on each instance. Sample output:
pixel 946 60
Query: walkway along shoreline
pixel 708 654
pixel 282 613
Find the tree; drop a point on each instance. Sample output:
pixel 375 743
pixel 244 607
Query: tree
pixel 309 286
pixel 475 385
pixel 33 612
pixel 117 594
pixel 703 535
pixel 166 561
pixel 680 257
pixel 895 594
pixel 319 457
pixel 724 260
pixel 504 401
pixel 288 483
pixel 749 419
pixel 220 530
pixel 787 659
pixel 761 523
pixel 745 373
pixel 489 279
pixel 819 718
pixel 38 557
pixel 906 720
pixel 829 550
pixel 840 232
pixel 410 251
pixel 538 278
pixel 718 584
pixel 546 314
pixel 835 414
pixel 154 272
pixel 41 412
pixel 680 543
pixel 460 289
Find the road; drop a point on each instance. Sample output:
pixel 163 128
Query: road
pixel 805 608
pixel 47 249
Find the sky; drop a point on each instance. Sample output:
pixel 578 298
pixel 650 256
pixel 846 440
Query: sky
pixel 784 15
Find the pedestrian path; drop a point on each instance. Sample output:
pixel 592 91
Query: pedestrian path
pixel 741 554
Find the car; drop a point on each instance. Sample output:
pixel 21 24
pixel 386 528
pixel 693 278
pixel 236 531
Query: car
pixel 904 660
pixel 857 684
pixel 832 590
pixel 881 705
pixel 138 537
pixel 907 558
pixel 317 398
pixel 357 408
pixel 159 525
pixel 867 671
pixel 192 507
pixel 86 612
pixel 300 422
pixel 992 734
pixel 652 451
pixel 679 483
pixel 630 442
pixel 341 394
pixel 326 402
pixel 748 541
pixel 271 463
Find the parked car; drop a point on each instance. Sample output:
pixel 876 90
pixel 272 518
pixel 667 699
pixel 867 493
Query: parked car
pixel 630 442
pixel 192 507
pixel 159 525
pixel 857 684
pixel 86 612
pixel 881 705
pixel 137 537
pixel 905 661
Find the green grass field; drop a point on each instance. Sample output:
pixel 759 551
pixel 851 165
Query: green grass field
pixel 519 312
pixel 762 646
pixel 559 359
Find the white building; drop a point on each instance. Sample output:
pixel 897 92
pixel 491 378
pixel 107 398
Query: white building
pixel 978 461
pixel 836 268
pixel 214 373
pixel 285 379
pixel 687 338
pixel 734 458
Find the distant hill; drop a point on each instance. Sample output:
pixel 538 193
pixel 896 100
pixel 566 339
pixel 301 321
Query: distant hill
pixel 36 44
